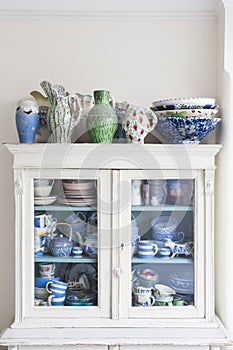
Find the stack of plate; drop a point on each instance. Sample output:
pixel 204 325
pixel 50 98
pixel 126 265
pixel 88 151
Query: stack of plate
pixel 182 282
pixel 78 193
pixel 185 120
pixel 185 107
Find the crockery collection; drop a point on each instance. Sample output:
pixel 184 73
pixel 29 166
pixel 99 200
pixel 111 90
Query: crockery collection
pixel 62 117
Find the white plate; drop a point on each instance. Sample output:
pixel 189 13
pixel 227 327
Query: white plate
pixel 44 200
pixel 183 100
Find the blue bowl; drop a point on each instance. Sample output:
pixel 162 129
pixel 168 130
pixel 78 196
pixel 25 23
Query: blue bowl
pixel 185 130
pixel 40 282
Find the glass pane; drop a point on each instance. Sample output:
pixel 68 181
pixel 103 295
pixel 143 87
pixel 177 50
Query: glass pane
pixel 65 242
pixel 162 237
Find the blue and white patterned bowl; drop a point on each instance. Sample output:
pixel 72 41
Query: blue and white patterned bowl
pixel 185 130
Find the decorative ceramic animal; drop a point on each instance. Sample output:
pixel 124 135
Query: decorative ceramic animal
pixel 177 249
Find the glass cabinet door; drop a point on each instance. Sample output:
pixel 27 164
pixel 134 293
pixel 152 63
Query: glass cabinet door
pixel 162 219
pixel 67 242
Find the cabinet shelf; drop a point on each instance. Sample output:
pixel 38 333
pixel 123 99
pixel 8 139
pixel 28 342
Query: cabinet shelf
pixel 62 208
pixel 65 259
pixel 160 208
pixel 155 260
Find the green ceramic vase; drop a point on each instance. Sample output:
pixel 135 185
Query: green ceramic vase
pixel 102 121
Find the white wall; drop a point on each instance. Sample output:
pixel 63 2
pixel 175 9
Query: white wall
pixel 137 60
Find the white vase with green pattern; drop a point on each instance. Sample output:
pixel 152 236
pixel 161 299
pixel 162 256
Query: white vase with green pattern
pixel 65 113
pixel 102 121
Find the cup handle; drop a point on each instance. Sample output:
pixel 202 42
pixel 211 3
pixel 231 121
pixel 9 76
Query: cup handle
pixel 50 297
pixel 152 300
pixel 180 236
pixel 47 287
pixel 153 120
pixel 156 248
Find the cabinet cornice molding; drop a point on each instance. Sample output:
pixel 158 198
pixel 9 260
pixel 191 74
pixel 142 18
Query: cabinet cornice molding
pixel 106 15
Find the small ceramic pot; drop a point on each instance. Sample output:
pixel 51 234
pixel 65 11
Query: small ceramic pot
pixel 27 120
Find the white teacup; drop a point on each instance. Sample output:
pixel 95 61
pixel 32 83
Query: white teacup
pixel 46 270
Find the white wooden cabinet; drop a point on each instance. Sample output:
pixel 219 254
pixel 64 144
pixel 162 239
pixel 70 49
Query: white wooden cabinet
pixel 114 318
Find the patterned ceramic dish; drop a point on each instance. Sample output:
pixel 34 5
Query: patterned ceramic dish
pixel 146 277
pixel 188 113
pixel 185 130
pixel 182 282
pixel 200 101
pixel 164 107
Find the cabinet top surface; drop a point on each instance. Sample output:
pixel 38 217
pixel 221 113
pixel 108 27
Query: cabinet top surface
pixel 118 156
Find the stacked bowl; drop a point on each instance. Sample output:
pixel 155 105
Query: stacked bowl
pixel 185 120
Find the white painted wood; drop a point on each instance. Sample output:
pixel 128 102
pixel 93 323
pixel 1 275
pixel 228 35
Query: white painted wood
pixel 115 336
pixel 114 156
pixel 114 322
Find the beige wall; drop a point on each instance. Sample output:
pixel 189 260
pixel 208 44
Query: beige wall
pixel 137 60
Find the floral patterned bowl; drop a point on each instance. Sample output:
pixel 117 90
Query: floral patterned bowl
pixel 187 113
pixel 185 130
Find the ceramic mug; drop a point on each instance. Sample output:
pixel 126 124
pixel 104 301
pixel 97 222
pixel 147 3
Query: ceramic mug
pixel 144 299
pixel 46 269
pixel 147 249
pixel 56 287
pixel 56 300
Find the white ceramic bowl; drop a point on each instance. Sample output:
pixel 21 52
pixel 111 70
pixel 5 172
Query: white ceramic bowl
pixel 78 186
pixel 42 191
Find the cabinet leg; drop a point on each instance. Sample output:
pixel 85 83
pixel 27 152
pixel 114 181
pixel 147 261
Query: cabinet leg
pixel 215 347
pixel 114 347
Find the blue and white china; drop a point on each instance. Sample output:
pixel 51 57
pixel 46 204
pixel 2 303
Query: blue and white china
pixel 182 282
pixel 81 297
pixel 56 287
pixel 27 120
pixel 164 253
pixel 39 245
pixel 142 290
pixel 182 106
pixel 144 299
pixel 90 245
pixel 147 249
pixel 164 227
pixel 56 300
pixel 78 221
pixel 61 246
pixel 185 130
pixel 40 282
pixel 77 252
pixel 186 248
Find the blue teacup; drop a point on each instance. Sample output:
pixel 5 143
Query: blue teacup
pixel 56 287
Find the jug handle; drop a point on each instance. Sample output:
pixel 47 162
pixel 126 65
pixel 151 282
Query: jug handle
pixel 60 224
pixel 112 102
pixel 153 120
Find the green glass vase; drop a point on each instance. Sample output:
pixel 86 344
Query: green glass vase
pixel 102 121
